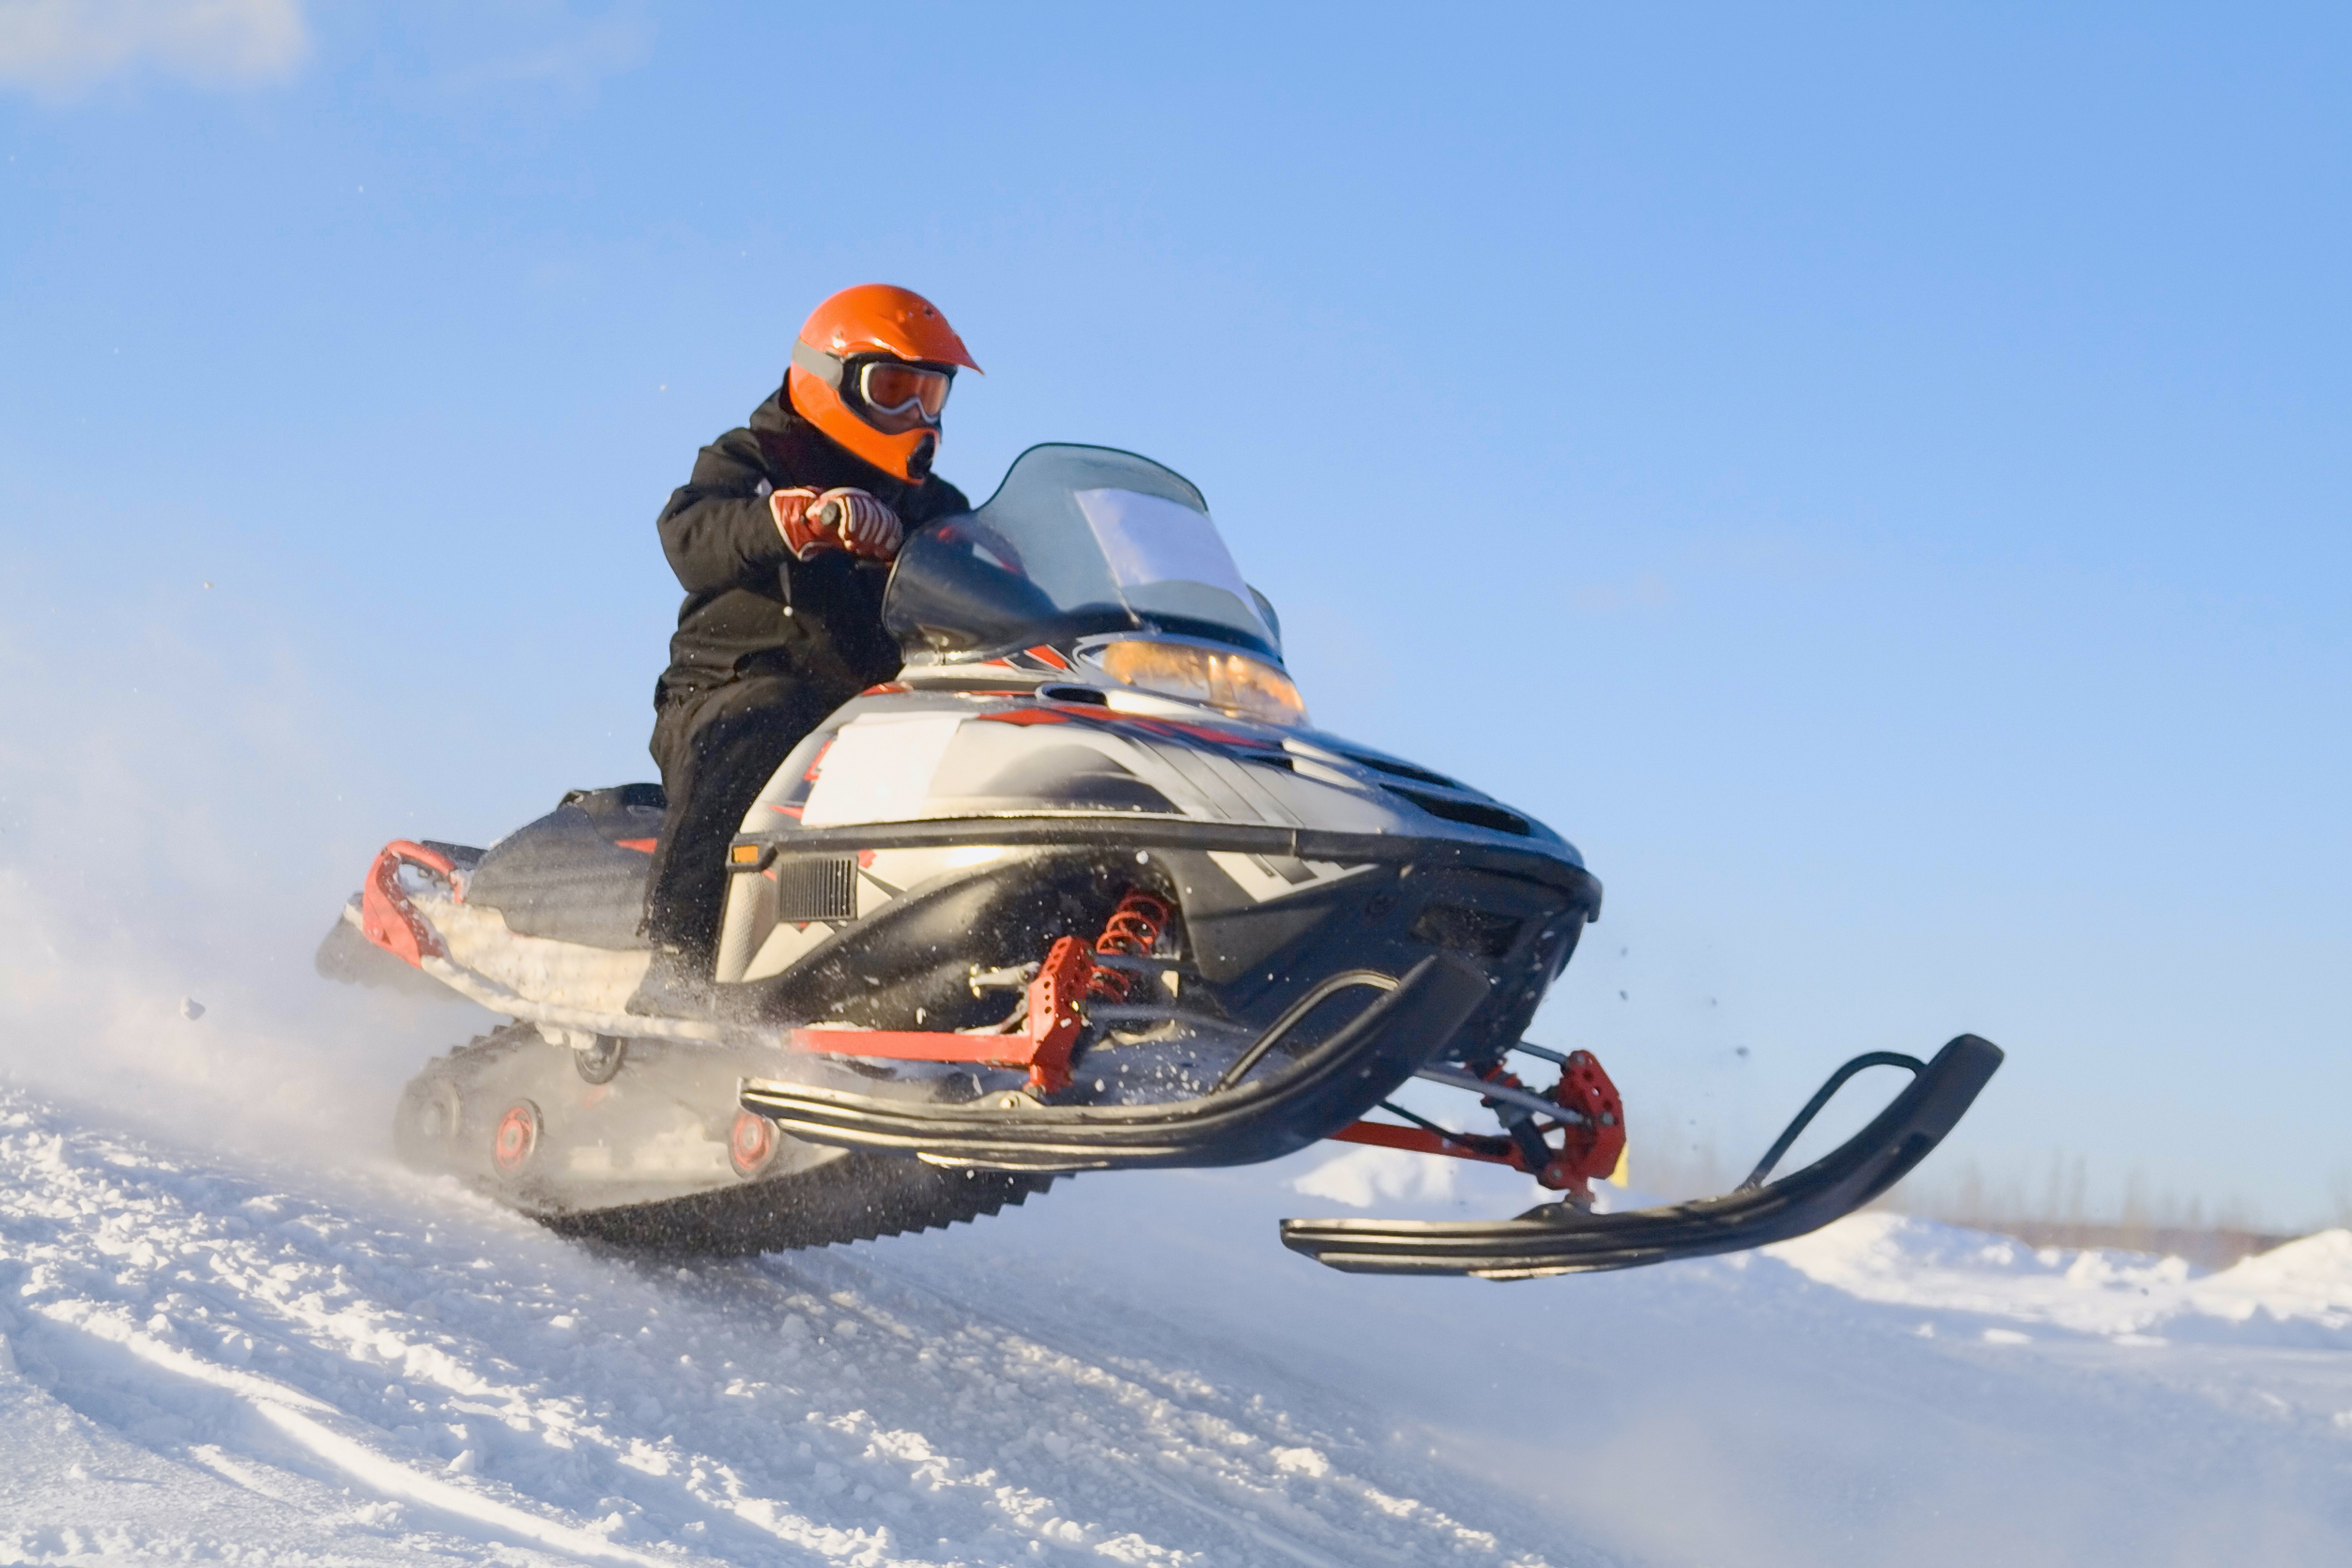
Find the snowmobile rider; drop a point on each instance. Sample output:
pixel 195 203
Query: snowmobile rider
pixel 783 539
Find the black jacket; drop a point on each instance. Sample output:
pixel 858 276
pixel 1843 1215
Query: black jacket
pixel 753 610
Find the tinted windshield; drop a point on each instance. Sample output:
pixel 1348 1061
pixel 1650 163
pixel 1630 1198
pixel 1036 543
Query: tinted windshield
pixel 1077 539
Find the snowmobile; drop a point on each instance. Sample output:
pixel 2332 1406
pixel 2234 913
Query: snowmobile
pixel 1081 889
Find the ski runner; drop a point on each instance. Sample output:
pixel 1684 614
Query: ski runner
pixel 783 539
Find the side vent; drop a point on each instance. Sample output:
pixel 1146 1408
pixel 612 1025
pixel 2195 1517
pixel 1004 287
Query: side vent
pixel 1472 813
pixel 1400 770
pixel 1467 931
pixel 816 887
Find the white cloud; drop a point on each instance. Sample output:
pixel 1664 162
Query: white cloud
pixel 62 46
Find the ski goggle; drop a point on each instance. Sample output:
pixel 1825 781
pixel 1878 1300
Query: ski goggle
pixel 900 396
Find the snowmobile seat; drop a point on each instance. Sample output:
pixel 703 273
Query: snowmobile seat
pixel 578 874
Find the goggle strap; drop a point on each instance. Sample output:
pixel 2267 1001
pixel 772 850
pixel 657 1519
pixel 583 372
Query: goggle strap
pixel 824 366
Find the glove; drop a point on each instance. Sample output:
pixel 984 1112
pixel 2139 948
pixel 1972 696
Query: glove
pixel 839 519
pixel 867 527
pixel 790 508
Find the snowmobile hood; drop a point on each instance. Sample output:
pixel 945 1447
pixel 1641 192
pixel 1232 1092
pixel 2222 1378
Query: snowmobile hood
pixel 1046 737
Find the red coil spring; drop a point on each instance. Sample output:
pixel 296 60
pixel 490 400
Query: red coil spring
pixel 1132 931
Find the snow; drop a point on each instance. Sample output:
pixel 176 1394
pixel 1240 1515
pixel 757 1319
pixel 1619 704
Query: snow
pixel 207 1355
pixel 2300 1293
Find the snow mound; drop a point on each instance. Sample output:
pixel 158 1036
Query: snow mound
pixel 2297 1293
pixel 2310 1279
pixel 1382 1177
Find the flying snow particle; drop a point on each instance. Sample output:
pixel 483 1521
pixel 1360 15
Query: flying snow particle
pixel 190 1008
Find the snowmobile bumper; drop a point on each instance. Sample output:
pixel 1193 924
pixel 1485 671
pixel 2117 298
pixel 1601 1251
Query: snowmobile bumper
pixel 1557 1238
pixel 1265 1118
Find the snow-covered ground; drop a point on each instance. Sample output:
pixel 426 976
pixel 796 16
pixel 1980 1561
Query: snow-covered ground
pixel 210 1357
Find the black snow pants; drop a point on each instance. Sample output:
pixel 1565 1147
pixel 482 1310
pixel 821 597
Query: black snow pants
pixel 717 751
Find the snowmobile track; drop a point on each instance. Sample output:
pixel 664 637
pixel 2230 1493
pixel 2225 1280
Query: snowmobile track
pixel 852 1197
pixel 860 1198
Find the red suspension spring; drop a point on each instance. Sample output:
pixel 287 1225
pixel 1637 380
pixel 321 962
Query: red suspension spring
pixel 1132 931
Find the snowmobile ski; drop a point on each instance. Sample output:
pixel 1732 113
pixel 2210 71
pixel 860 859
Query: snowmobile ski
pixel 1562 1239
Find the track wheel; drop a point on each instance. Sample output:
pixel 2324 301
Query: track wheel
pixel 752 1143
pixel 516 1138
pixel 601 1063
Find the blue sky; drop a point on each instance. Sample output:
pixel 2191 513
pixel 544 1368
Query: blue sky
pixel 1873 477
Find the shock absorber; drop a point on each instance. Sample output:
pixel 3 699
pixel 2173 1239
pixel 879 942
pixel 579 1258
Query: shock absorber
pixel 1132 931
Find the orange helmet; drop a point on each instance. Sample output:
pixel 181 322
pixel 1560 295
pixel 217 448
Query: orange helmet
pixel 871 370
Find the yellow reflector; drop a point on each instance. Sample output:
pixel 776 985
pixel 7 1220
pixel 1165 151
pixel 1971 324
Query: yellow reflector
pixel 1236 683
pixel 744 854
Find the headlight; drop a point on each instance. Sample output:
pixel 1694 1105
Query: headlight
pixel 1241 685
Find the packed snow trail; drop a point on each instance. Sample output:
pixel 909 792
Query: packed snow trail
pixel 444 1375
pixel 215 1360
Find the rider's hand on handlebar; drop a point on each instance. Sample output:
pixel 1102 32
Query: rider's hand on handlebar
pixel 864 525
pixel 839 519
pixel 801 534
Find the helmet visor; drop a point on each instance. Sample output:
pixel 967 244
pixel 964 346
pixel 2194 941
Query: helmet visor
pixel 900 396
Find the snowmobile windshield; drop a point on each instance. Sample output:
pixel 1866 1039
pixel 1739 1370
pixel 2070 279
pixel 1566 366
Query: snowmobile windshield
pixel 1078 541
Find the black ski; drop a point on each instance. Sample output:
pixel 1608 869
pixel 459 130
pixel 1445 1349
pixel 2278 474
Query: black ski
pixel 1559 1239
